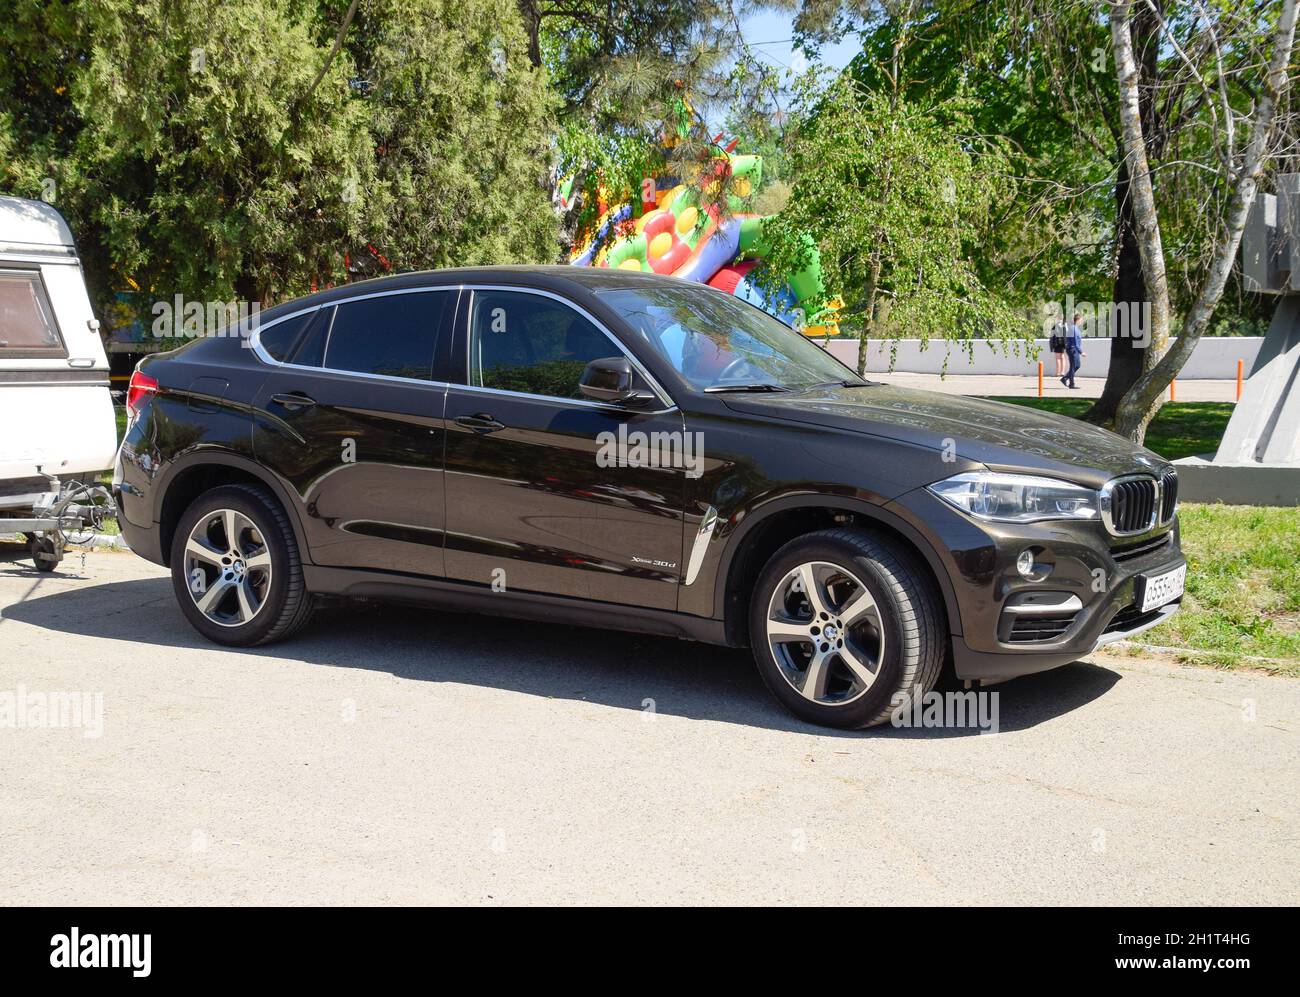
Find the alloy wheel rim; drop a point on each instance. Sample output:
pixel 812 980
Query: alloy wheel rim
pixel 227 568
pixel 825 633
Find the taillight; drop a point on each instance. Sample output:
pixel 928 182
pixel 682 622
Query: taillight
pixel 138 392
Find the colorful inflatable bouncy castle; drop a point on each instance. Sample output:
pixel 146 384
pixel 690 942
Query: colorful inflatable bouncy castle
pixel 670 232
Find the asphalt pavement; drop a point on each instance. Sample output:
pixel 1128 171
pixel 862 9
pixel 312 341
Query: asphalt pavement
pixel 393 755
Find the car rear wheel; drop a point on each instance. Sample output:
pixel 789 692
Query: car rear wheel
pixel 236 569
pixel 845 627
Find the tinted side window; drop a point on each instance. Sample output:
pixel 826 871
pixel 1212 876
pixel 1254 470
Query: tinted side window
pixel 394 334
pixel 278 339
pixel 310 351
pixel 529 343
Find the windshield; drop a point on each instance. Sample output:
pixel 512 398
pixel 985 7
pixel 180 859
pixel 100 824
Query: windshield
pixel 719 343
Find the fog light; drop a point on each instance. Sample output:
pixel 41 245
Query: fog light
pixel 1025 563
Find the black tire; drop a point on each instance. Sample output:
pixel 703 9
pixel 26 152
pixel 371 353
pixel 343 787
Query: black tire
pixel 912 628
pixel 286 606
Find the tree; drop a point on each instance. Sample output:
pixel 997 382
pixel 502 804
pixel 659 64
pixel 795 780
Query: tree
pixel 1041 75
pixel 213 165
pixel 1053 235
pixel 461 123
pixel 895 194
pixel 1243 142
pixel 1177 123
pixel 243 150
pixel 1035 72
pixel 41 48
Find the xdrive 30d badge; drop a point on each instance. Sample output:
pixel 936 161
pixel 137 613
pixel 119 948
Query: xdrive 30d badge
pixel 639 453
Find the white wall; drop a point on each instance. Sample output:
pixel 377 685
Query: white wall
pixel 1214 357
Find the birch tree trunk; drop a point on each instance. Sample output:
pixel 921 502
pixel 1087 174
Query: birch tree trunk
pixel 1146 221
pixel 869 321
pixel 1162 363
pixel 1127 353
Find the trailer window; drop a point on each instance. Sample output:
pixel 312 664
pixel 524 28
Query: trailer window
pixel 27 327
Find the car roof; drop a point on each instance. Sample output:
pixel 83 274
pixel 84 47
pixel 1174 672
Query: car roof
pixel 562 279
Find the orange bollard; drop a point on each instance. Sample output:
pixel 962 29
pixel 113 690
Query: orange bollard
pixel 1240 364
pixel 1171 389
pixel 1040 379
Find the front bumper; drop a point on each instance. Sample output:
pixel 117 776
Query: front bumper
pixel 1090 576
pixel 998 666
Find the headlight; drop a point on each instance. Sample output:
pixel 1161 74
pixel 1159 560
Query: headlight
pixel 1016 498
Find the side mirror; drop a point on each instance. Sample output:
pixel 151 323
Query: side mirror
pixel 609 379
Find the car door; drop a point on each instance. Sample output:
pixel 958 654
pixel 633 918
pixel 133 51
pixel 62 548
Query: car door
pixel 536 498
pixel 351 419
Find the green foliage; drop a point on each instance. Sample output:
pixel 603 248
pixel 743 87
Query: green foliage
pixel 618 63
pixel 222 151
pixel 210 166
pixel 1042 91
pixel 613 163
pixel 460 122
pixel 898 195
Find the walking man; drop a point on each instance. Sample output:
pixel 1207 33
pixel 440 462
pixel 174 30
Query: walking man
pixel 1073 350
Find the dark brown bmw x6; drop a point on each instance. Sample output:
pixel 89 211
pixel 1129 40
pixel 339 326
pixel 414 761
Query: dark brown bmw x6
pixel 642 453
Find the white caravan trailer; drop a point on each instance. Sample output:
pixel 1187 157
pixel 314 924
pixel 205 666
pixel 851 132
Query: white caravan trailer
pixel 57 429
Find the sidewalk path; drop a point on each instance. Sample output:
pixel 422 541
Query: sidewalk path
pixel 1010 384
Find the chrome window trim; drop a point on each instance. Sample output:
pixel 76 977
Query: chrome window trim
pixel 1104 504
pixel 585 402
pixel 665 399
pixel 255 337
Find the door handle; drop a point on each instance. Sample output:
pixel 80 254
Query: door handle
pixel 293 400
pixel 480 422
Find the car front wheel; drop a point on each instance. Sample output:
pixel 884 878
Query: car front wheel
pixel 236 569
pixel 846 627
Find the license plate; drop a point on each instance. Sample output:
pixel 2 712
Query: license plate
pixel 1162 588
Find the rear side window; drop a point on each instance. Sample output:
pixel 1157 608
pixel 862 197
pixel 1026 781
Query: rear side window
pixel 278 339
pixel 27 326
pixel 311 345
pixel 394 334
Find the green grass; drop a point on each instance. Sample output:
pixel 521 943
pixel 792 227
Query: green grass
pixel 1243 588
pixel 1180 429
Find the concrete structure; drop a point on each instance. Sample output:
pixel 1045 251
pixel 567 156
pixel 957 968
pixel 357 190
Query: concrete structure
pixel 1215 357
pixel 1258 461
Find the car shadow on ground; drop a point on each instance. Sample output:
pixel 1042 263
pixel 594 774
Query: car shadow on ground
pixel 627 671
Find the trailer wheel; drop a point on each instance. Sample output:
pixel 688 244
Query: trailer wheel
pixel 46 554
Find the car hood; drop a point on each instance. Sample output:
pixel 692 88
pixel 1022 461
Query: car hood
pixel 1003 437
